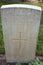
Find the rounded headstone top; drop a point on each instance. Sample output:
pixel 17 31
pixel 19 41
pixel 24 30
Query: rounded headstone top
pixel 21 6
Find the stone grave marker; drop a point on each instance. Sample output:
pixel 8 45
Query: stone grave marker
pixel 20 31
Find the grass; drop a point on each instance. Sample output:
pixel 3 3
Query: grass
pixel 2 50
pixel 40 36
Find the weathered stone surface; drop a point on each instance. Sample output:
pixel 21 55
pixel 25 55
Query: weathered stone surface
pixel 20 30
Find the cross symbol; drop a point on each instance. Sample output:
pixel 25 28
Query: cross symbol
pixel 20 39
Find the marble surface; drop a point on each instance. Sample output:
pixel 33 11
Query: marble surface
pixel 20 32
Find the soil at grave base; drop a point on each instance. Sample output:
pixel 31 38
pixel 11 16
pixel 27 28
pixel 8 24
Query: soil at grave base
pixel 3 60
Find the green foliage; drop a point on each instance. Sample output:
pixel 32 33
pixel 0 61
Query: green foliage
pixel 40 38
pixel 18 63
pixel 2 50
pixel 35 62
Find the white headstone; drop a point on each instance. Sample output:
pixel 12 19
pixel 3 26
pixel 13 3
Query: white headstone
pixel 20 31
